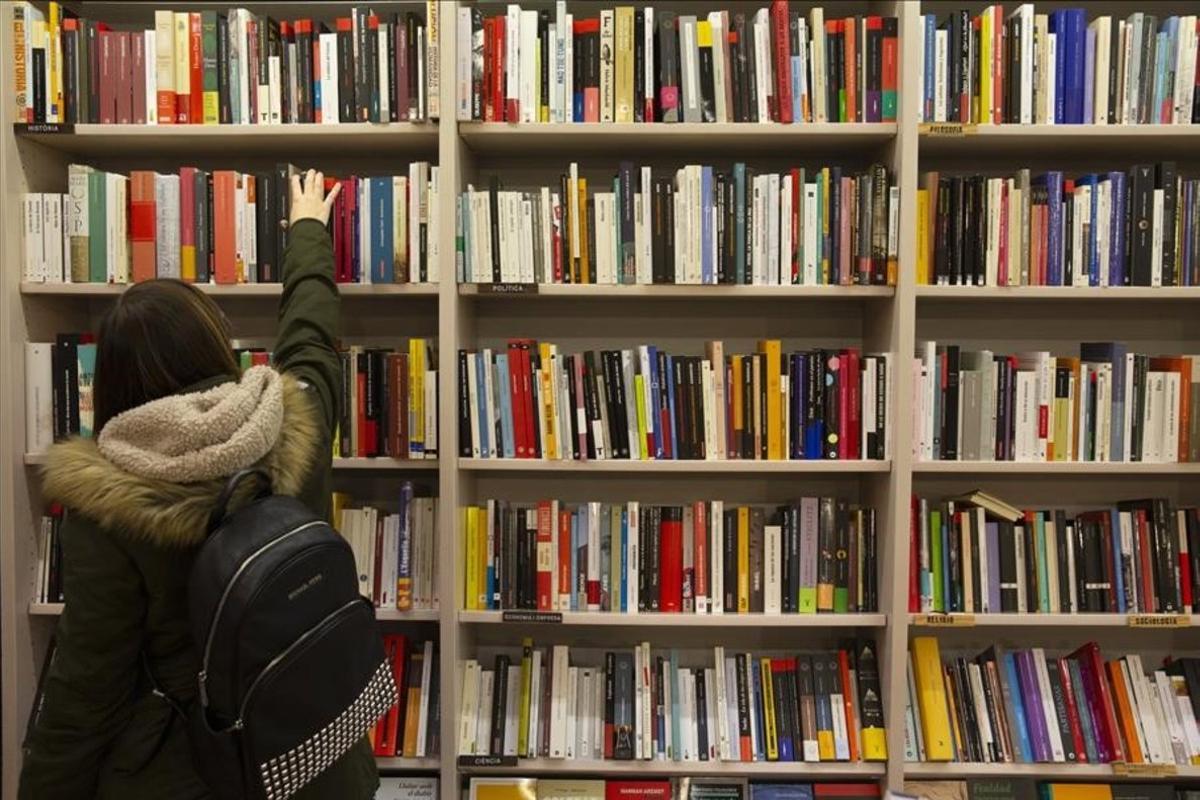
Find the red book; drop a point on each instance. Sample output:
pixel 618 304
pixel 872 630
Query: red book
pixel 914 556
pixel 842 379
pixel 564 554
pixel 360 405
pixel 142 226
pixel 498 69
pixel 700 555
pixel 401 76
pixel 516 398
pixel 485 91
pixel 848 701
pixel 124 91
pixel 1100 700
pixel 852 372
pixel 1072 709
pixel 890 58
pixel 845 791
pixel 396 647
pixel 545 555
pixel 780 27
pixel 260 358
pixel 350 225
pixel 107 113
pixel 670 578
pixel 997 64
pixel 637 790
pixel 850 45
pixel 580 408
pixel 1185 568
pixel 195 69
pixel 531 413
pixel 1142 531
pixel 137 76
pixel 591 93
pixel 224 226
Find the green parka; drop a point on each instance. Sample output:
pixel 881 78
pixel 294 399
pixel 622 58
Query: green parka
pixel 128 544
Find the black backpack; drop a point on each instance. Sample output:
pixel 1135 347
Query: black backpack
pixel 292 667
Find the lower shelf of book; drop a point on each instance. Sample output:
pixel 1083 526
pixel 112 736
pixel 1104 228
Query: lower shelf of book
pixel 408 764
pixel 378 463
pixel 670 465
pixel 558 766
pixel 652 620
pixel 381 614
pixel 1141 621
pixel 1107 772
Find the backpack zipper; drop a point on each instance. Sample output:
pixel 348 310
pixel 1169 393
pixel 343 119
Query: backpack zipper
pixel 212 625
pixel 239 723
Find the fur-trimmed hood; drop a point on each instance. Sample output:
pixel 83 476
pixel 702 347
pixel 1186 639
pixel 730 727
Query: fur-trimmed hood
pixel 164 512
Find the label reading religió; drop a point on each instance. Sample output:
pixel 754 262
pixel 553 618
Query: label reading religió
pixel 1159 620
pixel 948 620
pixel 541 617
pixel 508 288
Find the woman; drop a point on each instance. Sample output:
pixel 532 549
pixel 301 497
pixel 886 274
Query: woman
pixel 173 416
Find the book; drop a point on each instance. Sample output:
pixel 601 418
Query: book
pixel 394 551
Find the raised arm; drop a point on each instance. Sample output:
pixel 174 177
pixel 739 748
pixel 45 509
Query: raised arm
pixel 308 312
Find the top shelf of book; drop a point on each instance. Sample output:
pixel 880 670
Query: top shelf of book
pixel 1137 141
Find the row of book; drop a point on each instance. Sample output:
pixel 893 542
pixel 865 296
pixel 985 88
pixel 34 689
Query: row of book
pixel 209 67
pixel 646 64
pixel 389 402
pixel 1107 404
pixel 530 401
pixel 49 582
pixel 1022 706
pixel 1134 228
pixel 683 788
pixel 1005 788
pixel 224 226
pixel 396 553
pixel 643 706
pixel 817 555
pixel 977 554
pixel 59 377
pixel 698 226
pixel 1057 68
pixel 411 727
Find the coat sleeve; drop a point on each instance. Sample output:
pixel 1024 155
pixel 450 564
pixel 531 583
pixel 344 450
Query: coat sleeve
pixel 89 687
pixel 306 345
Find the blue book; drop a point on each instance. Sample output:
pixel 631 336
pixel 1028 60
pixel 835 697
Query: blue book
pixel 1055 274
pixel 760 752
pixel 1116 227
pixel 1112 353
pixel 1058 27
pixel 1085 712
pixel 814 427
pixel 1118 562
pixel 1076 56
pixel 781 791
pixel 669 379
pixel 622 588
pixel 1089 75
pixel 506 413
pixel 797 66
pixel 930 55
pixel 706 221
pixel 485 450
pixel 799 387
pixel 578 556
pixel 577 105
pixel 1009 666
pixel 655 400
pixel 739 225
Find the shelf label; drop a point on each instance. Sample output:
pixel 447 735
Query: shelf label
pixel 508 288
pixel 487 761
pixel 540 617
pixel 1159 620
pixel 948 620
pixel 44 127
pixel 947 129
pixel 1144 770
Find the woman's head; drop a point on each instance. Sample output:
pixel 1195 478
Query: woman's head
pixel 160 337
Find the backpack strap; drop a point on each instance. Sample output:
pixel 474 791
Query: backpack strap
pixel 221 508
pixel 157 690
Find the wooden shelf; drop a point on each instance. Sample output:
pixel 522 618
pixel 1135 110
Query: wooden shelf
pixel 720 292
pixel 396 763
pixel 1026 621
pixel 45 609
pixel 500 138
pixel 753 621
pixel 37 459
pixel 381 614
pixel 273 290
pixel 670 466
pixel 1058 293
pixel 1006 141
pixel 960 771
pixel 1053 468
pixel 781 769
pixel 364 138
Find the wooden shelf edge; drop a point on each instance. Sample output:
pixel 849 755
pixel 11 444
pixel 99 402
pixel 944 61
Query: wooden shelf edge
pixel 240 290
pixel 670 466
pixel 1060 293
pixel 690 292
pixel 400 763
pixel 669 130
pixel 724 621
pixel 731 768
pixel 1044 131
pixel 381 614
pixel 957 770
pixel 1054 468
pixel 1027 621
pixel 38 459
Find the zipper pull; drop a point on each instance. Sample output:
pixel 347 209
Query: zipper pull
pixel 202 679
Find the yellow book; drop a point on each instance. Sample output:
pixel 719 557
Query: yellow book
pixel 470 534
pixel 54 61
pixel 549 408
pixel 526 684
pixel 483 543
pixel 639 388
pixel 554 789
pixel 503 789
pixel 338 503
pixel 984 111
pixel 585 272
pixel 770 348
pixel 768 696
pixel 923 278
pixel 416 396
pixel 624 61
pixel 1077 791
pixel 736 400
pixel 743 563
pixel 931 698
pixel 824 279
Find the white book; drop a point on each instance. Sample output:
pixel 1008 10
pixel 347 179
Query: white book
pixel 1156 243
pixel 940 43
pixel 598 714
pixel 646 248
pixel 512 717
pixel 1187 714
pixel 52 238
pixel 1189 44
pixel 647 710
pixel 785 229
pixel 585 713
pixel 632 598
pixel 1152 725
pixel 710 430
pixel 1027 25
pixel 1051 716
pixel 688 722
pixel 627 371
pixel 772 560
pixel 593 549
pixel 763 66
pixel 1051 55
pixel 39 397
pixel 558 99
pixel 559 677
pixel 569 68
pixel 1156 403
pixel 810 234
pixel 689 68
pixel 608 64
pixel 816 24
pixel 1144 734
pixel 1169 712
pixel 772 233
pixel 433 53
pixel 710 711
pixel 724 751
pixel 528 68
pixel 648 77
pixel 383 74
pixel 118 193
pixel 841 740
pixel 166 194
pixel 1052 576
pixel 716 539
pixel 512 60
pixel 427 666
pixel 572 713
pixel 716 22
pixel 1103 27
pixel 483 731
pixel 527 244
pixel 1169 448
pixel 329 80
pixel 535 703
pixel 1019 548
pixel 463 64
pixel 731 708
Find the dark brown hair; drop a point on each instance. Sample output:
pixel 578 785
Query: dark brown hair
pixel 161 336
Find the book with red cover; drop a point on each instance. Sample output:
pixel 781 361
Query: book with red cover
pixel 591 78
pixel 780 30
pixel 545 557
pixel 846 791
pixel 123 46
pixel 137 76
pixel 852 365
pixel 889 69
pixel 914 556
pixel 848 700
pixel 637 790
pixel 1100 701
pixel 700 555
pixel 516 398
pixel 388 733
pixel 670 577
pixel 1072 709
pixel 224 226
pixel 195 70
pixel 563 557
pixel 142 226
pixel 873 68
pixel 498 104
pixel 361 447
pixel 533 447
pixel 107 113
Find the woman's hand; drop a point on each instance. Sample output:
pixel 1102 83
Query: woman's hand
pixel 309 200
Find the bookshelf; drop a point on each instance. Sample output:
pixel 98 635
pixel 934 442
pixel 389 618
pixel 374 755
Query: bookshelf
pixel 890 319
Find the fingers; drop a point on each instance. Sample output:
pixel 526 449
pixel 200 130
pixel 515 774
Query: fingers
pixel 309 182
pixel 297 190
pixel 332 196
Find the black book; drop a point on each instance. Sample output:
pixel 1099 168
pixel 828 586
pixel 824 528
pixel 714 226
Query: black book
pixel 664 403
pixel 224 107
pixel 266 220
pixel 304 73
pixel 38 62
pixel 83 74
pixel 464 406
pixel 743 697
pixel 592 402
pixel 92 37
pixel 955 560
pixel 730 547
pixel 203 204
pixel 870 563
pixel 950 413
pixel 668 67
pixel 789 518
pixel 1095 585
pixel 1189 668
pixel 494 209
pixel 954 240
pixel 757 550
pixel 1008 566
pixel 960 685
pixel 547 62
pixel 623 728
pixel 1141 228
pixel 1166 547
pixel 737 70
pixel 377 386
pixel 881 395
pixel 639 69
pixel 781 680
pixel 870 698
pixel 610 703
pixel 978 233
pixel 708 108
pixel 699 446
pixel 702 718
pixel 832 383
pixel 750 73
pixel 1137 396
pixel 575 401
pixel 841 562
pixel 1166 181
pixel 681 407
pixel 655 541
pixel 365 75
pixel 825 542
pixel 535 365
pixel 413 24
pixel 346 75
pixel 1062 543
pixel 499 704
